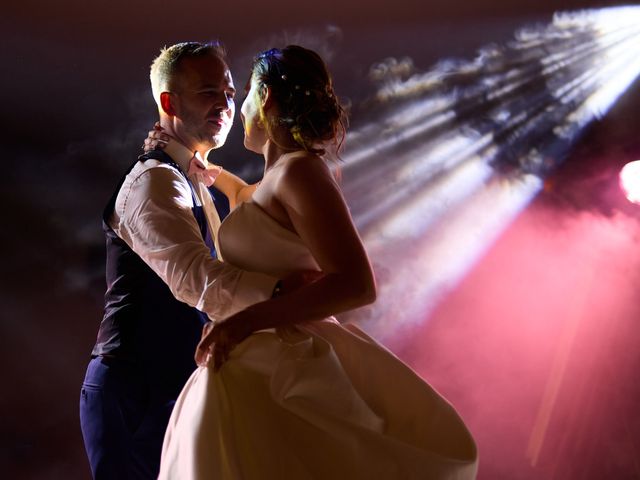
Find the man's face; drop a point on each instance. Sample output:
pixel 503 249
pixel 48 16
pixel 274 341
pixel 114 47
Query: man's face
pixel 203 102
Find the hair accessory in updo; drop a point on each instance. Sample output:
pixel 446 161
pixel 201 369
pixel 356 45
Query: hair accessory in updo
pixel 302 89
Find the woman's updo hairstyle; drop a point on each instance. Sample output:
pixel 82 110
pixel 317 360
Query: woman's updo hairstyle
pixel 302 89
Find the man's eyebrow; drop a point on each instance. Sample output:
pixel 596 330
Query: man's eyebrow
pixel 211 86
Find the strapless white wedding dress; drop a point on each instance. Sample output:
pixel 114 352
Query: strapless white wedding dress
pixel 316 401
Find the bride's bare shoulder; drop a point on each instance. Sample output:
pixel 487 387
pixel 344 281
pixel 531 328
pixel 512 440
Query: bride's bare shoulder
pixel 304 166
pixel 306 180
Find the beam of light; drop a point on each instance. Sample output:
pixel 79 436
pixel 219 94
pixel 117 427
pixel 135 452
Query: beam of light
pixel 426 264
pixel 449 157
pixel 555 380
pixel 630 181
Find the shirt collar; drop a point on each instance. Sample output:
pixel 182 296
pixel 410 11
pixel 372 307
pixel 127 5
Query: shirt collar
pixel 179 154
pixel 182 155
pixel 206 156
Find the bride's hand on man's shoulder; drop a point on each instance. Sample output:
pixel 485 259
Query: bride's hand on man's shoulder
pixel 156 139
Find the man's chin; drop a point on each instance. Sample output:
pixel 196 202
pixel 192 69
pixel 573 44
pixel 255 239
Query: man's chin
pixel 215 141
pixel 218 140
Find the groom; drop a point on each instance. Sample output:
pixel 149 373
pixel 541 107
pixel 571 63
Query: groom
pixel 162 272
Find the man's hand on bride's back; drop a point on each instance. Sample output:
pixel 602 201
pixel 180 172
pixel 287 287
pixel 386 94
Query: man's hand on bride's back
pixel 156 139
pixel 296 280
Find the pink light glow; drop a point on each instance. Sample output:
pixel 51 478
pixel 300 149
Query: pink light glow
pixel 536 345
pixel 630 181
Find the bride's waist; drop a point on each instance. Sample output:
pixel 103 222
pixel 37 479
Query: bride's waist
pixel 297 325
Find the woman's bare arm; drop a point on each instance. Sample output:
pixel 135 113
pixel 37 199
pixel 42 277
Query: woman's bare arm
pixel 235 189
pixel 319 214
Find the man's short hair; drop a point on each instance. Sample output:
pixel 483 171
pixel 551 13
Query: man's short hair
pixel 166 65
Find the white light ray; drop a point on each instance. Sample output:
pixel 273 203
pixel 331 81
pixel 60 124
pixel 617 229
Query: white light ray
pixel 420 178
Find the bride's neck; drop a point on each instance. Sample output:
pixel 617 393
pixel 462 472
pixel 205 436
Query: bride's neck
pixel 273 152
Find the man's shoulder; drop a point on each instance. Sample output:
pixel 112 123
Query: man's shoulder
pixel 151 176
pixel 151 166
pixel 150 179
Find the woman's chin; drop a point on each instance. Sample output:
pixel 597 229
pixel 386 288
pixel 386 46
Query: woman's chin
pixel 251 146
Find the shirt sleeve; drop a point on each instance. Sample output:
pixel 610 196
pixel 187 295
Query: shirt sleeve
pixel 154 217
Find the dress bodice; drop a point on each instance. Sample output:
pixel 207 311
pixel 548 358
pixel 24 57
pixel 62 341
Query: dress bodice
pixel 252 240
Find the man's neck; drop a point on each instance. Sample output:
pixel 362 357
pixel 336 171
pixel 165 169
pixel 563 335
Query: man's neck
pixel 193 146
pixel 179 153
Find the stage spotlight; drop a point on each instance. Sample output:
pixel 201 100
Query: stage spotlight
pixel 630 181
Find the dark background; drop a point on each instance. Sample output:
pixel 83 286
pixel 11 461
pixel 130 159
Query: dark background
pixel 561 282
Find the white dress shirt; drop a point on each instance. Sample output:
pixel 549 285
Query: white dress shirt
pixel 153 215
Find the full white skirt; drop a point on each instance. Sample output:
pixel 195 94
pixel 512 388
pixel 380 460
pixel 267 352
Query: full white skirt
pixel 318 401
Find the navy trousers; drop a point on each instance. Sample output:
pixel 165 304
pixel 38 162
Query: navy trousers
pixel 123 421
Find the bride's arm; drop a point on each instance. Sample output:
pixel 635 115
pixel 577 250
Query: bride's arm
pixel 236 189
pixel 319 214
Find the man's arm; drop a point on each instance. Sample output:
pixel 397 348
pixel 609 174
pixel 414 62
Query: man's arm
pixel 154 216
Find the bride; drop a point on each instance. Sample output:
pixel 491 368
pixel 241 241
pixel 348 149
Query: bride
pixel 284 391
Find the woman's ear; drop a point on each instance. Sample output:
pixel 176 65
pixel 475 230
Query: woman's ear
pixel 166 103
pixel 267 98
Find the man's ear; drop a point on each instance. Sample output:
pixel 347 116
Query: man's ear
pixel 166 103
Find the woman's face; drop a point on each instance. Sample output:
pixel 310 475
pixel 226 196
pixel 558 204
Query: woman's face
pixel 254 131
